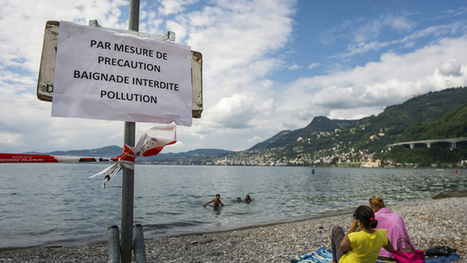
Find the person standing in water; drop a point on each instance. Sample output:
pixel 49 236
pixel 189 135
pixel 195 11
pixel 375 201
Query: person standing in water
pixel 247 198
pixel 215 202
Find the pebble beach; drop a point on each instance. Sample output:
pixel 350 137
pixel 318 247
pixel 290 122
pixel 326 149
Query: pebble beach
pixel 430 223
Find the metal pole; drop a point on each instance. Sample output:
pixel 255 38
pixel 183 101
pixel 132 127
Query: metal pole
pixel 138 244
pixel 127 199
pixel 128 178
pixel 114 244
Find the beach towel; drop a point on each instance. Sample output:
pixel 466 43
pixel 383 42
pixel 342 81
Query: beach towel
pixel 321 255
pixel 442 259
pixel 395 226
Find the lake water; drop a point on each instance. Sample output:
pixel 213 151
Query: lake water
pixel 51 204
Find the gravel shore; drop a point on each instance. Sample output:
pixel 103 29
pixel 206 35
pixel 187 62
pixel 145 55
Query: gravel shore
pixel 429 223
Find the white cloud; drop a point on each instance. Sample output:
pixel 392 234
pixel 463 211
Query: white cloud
pixel 398 23
pixel 22 25
pixel 437 31
pixel 452 12
pixel 10 138
pixel 168 7
pixel 235 39
pixel 314 65
pixel 360 29
pixel 295 67
pixel 362 48
pixel 256 139
pixel 450 67
pixel 367 31
pixel 235 112
pixel 394 79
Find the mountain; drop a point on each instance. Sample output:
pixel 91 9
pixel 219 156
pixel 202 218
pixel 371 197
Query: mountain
pixel 264 144
pixel 371 134
pixel 318 124
pixel 108 151
pixel 113 151
pixel 395 119
pixel 422 108
pixel 190 154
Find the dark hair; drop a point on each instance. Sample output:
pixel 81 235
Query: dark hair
pixel 366 216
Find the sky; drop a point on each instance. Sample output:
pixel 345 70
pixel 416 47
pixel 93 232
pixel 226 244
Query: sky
pixel 268 65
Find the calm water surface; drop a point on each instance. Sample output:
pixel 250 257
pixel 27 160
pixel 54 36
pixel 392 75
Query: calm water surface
pixel 44 204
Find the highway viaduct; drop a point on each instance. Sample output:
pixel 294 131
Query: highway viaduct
pixel 452 142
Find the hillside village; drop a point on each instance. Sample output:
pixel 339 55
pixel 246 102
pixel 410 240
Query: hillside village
pixel 331 156
pixel 334 156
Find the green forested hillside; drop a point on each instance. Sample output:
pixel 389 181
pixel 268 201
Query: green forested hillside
pixel 394 120
pixel 374 133
pixel 265 144
pixel 318 124
pixel 451 125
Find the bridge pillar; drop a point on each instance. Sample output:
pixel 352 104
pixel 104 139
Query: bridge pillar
pixel 453 146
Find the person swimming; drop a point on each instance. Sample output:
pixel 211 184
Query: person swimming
pixel 215 202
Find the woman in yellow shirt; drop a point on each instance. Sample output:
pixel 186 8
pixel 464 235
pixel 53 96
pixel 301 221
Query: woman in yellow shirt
pixel 362 246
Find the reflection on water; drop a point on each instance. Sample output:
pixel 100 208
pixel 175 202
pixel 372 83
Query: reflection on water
pixel 58 203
